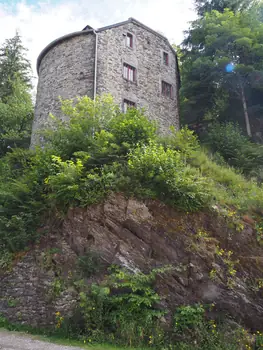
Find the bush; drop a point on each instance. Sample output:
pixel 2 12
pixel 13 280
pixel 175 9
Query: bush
pixel 89 264
pixel 165 176
pixel 235 148
pixel 132 129
pixel 99 129
pixel 228 188
pixel 123 309
pixel 193 330
pixel 184 141
pixel 99 150
pixel 188 317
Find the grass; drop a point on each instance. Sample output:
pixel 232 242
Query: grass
pixel 227 186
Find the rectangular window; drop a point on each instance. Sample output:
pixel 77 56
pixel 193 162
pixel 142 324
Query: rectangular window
pixel 165 58
pixel 127 104
pixel 166 89
pixel 129 40
pixel 129 72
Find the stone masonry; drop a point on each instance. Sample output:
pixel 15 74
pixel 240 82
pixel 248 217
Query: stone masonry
pixel 77 63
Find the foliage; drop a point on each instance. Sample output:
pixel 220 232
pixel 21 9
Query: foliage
pixel 5 260
pixel 16 107
pixel 86 158
pixel 134 129
pixel 13 65
pixel 188 317
pixel 185 141
pixel 16 115
pixel 222 68
pixel 229 188
pixel 123 309
pixel 194 330
pixel 164 175
pixel 99 129
pixel 203 6
pixel 89 264
pixel 235 148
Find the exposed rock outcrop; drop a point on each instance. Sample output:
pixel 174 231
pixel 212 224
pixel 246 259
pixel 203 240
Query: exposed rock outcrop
pixel 212 263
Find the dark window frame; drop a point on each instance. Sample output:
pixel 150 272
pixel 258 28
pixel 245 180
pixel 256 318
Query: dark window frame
pixel 165 58
pixel 129 103
pixel 167 89
pixel 130 42
pixel 130 69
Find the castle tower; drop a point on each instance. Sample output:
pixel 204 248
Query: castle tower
pixel 132 62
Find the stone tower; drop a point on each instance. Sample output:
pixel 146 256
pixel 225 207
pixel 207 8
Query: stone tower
pixel 135 64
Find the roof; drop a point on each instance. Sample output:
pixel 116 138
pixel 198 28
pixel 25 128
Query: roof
pixel 132 20
pixel 89 30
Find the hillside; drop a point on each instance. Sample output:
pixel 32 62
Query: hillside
pixel 112 233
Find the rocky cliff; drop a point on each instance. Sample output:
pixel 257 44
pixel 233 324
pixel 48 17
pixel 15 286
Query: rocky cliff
pixel 212 260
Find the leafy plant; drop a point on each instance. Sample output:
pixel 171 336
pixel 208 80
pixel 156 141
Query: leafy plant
pixel 188 317
pixel 167 177
pixel 236 149
pixel 123 309
pixel 89 264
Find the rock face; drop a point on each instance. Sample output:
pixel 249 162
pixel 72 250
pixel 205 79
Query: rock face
pixel 140 236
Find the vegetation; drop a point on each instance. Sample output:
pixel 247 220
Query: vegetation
pixel 99 150
pixel 16 107
pixel 88 157
pixel 236 149
pixel 222 66
pixel 124 311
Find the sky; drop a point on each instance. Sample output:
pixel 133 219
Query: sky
pixel 41 21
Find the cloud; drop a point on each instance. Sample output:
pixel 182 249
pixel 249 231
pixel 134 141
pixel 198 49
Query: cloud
pixel 43 21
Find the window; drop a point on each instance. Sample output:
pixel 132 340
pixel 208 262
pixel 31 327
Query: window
pixel 166 89
pixel 165 58
pixel 129 40
pixel 127 104
pixel 129 72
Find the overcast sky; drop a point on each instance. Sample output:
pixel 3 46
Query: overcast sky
pixel 41 21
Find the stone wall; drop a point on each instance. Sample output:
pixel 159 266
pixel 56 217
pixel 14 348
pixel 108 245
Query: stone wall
pixel 146 57
pixel 31 292
pixel 66 70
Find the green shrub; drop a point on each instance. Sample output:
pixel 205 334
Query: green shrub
pixel 184 141
pixel 89 264
pixel 193 330
pixel 123 309
pixel 228 187
pixel 164 174
pixel 99 150
pixel 188 317
pixel 235 148
pixel 132 128
pixel 99 129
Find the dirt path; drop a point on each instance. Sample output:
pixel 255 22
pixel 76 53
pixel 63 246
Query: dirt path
pixel 16 341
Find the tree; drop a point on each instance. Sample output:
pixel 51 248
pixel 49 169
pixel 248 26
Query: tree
pixel 13 65
pixel 222 67
pixel 16 116
pixel 16 107
pixel 203 6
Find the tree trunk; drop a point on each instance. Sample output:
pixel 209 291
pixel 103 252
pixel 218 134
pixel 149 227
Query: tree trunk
pixel 244 102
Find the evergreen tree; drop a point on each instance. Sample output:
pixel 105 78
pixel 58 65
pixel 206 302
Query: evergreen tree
pixel 13 65
pixel 203 6
pixel 222 68
pixel 16 116
pixel 16 107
